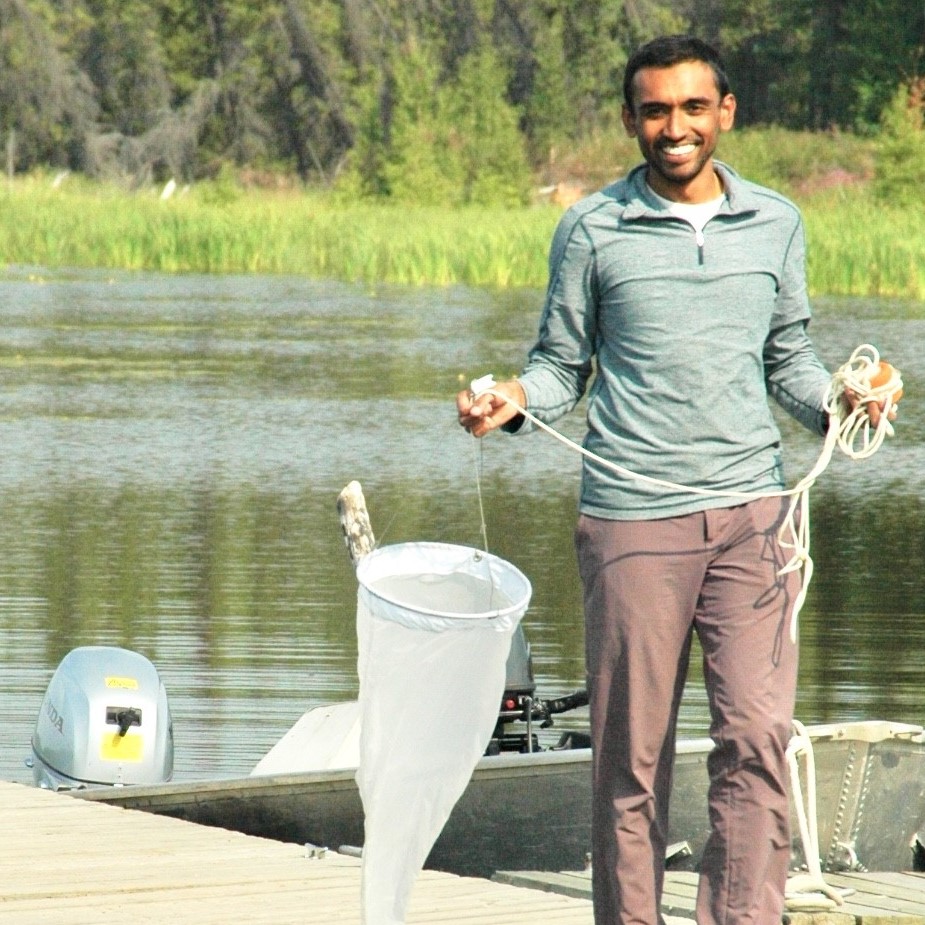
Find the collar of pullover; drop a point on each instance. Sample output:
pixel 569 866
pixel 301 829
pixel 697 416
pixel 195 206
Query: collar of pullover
pixel 640 203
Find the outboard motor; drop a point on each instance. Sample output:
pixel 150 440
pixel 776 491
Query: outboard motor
pixel 517 701
pixel 104 721
pixel 519 705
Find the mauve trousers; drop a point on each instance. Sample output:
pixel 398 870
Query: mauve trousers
pixel 648 586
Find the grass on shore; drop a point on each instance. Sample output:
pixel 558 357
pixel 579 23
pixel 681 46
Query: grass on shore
pixel 257 231
pixel 857 246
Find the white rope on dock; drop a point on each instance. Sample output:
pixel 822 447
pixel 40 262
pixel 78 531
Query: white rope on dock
pixel 807 891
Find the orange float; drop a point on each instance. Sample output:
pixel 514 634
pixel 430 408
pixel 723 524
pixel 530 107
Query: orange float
pixel 882 376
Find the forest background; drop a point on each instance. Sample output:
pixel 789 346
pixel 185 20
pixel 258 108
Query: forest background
pixel 435 103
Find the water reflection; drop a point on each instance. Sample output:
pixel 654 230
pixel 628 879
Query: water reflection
pixel 173 448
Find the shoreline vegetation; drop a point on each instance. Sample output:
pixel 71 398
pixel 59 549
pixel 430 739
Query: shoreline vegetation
pixel 858 244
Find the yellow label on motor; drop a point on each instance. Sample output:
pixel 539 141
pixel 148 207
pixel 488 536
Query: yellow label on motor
pixel 126 684
pixel 121 748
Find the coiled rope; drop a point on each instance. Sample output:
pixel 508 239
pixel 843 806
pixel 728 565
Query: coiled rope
pixel 849 428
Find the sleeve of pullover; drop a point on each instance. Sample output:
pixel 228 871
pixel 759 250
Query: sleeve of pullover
pixel 795 377
pixel 559 365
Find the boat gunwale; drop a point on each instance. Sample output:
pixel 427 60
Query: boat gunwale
pixel 523 764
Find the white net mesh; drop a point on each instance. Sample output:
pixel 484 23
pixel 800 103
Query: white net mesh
pixel 434 627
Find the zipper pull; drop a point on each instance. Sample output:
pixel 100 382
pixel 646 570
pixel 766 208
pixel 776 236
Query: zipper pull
pixel 700 242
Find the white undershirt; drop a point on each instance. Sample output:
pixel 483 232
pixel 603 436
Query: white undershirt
pixel 696 214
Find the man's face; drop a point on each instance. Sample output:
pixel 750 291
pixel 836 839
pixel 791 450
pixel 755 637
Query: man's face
pixel 677 117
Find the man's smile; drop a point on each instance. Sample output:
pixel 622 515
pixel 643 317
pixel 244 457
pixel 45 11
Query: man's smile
pixel 679 151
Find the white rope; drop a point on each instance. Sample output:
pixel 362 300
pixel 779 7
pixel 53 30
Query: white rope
pixel 801 744
pixel 478 487
pixel 850 430
pixel 859 375
pixel 809 890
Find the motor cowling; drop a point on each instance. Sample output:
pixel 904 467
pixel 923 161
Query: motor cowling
pixel 104 720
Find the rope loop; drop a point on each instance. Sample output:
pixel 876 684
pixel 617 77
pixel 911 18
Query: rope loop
pixel 871 380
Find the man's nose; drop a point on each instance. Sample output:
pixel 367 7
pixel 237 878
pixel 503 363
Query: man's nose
pixel 676 124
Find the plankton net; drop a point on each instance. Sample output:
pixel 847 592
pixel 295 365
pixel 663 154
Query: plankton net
pixel 434 628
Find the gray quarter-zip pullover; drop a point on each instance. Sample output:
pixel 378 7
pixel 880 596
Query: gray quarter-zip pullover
pixel 687 336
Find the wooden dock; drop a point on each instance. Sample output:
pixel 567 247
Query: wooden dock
pixel 74 862
pixel 877 898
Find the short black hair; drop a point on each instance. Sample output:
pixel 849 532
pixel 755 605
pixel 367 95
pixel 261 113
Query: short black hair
pixel 668 51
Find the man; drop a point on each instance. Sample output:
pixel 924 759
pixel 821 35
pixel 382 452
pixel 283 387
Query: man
pixel 682 287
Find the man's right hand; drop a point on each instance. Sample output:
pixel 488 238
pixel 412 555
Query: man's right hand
pixel 489 411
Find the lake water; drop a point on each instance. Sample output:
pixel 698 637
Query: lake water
pixel 172 451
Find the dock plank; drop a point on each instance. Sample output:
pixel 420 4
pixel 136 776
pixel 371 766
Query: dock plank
pixel 578 883
pixel 74 862
pixel 890 898
pixel 900 895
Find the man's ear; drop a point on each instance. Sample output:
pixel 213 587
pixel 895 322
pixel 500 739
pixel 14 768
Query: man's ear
pixel 727 112
pixel 629 121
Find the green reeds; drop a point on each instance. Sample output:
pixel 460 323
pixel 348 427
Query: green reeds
pixel 861 246
pixel 82 225
pixel 856 246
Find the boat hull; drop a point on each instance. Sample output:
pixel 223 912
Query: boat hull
pixel 532 811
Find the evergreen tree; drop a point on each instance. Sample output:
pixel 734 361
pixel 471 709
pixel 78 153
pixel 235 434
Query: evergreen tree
pixel 47 105
pixel 398 89
pixel 432 141
pixel 485 128
pixel 900 169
